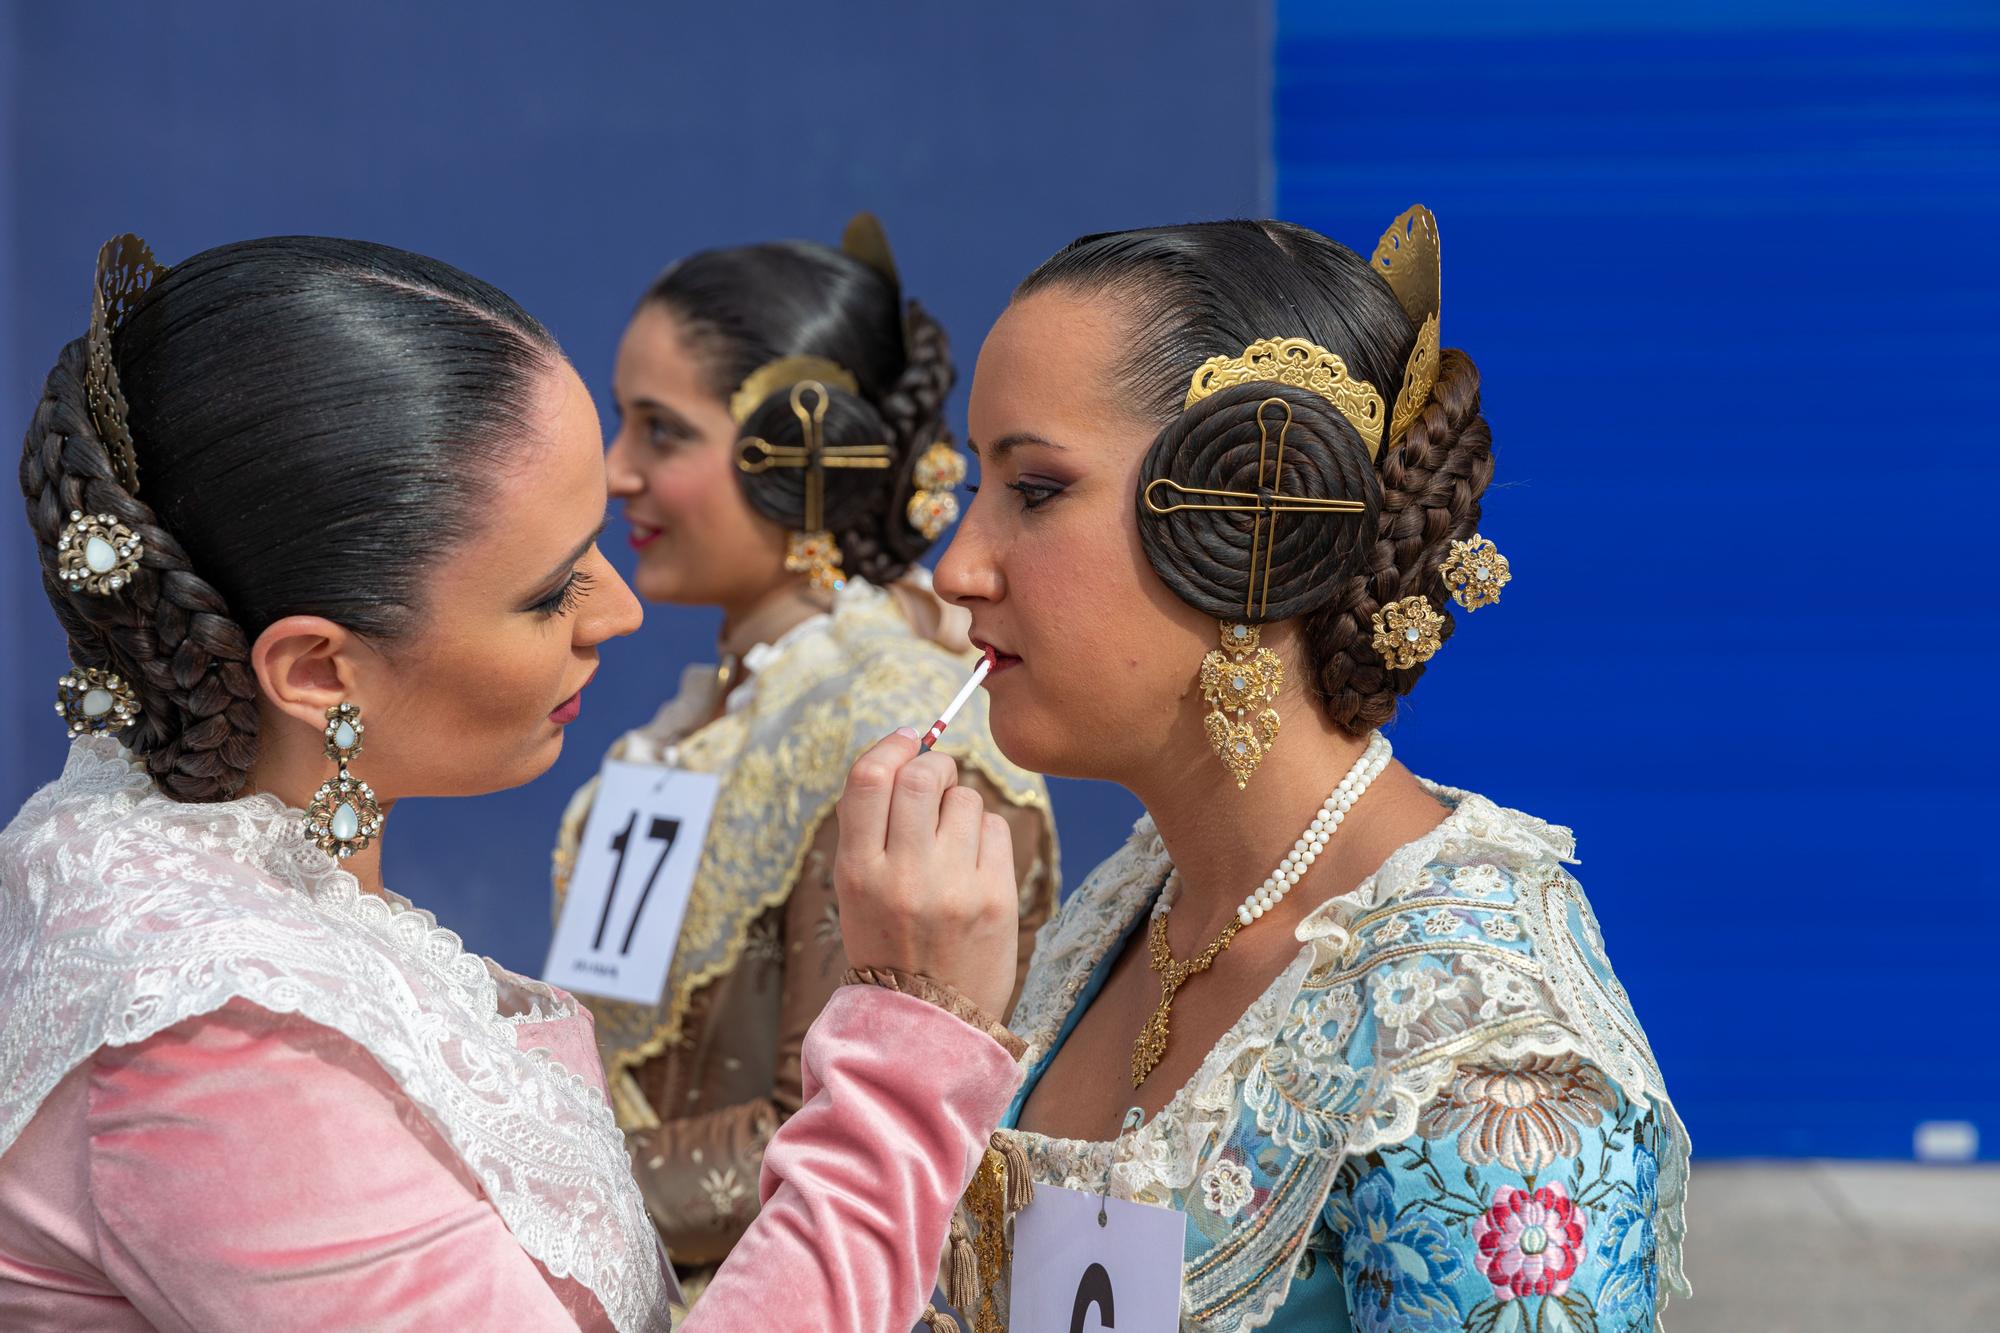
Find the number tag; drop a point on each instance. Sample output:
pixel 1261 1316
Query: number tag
pixel 629 890
pixel 1072 1275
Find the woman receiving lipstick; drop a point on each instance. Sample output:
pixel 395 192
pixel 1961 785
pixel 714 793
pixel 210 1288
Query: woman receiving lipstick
pixel 780 455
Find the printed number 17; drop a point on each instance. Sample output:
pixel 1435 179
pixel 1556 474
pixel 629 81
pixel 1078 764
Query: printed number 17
pixel 662 831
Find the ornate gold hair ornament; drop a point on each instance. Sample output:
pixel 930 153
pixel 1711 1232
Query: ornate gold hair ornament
pixel 784 373
pixel 813 549
pixel 1407 259
pixel 125 269
pixel 1302 365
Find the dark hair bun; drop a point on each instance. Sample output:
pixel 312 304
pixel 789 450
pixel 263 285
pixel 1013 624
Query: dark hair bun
pixel 851 493
pixel 1223 443
pixel 166 631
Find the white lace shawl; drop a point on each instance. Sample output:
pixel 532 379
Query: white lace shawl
pixel 1298 1086
pixel 123 912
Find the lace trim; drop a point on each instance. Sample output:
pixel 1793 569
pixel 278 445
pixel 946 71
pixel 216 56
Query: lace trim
pixel 126 912
pixel 1292 1071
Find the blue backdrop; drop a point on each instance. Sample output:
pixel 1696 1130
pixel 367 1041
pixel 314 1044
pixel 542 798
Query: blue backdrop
pixel 1722 271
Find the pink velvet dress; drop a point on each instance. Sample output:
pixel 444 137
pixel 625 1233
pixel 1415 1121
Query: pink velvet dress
pixel 237 1093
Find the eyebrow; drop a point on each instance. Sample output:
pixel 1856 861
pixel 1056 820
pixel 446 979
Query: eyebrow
pixel 1006 444
pixel 563 567
pixel 660 409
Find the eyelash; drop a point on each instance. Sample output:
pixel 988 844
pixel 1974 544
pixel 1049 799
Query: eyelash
pixel 564 599
pixel 1034 496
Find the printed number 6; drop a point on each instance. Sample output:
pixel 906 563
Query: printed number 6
pixel 1094 1290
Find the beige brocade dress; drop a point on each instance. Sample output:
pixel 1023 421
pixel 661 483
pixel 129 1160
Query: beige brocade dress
pixel 702 1080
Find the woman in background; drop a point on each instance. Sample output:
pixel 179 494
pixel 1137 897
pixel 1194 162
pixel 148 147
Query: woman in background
pixel 781 454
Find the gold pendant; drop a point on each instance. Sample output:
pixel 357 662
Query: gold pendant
pixel 1151 1047
pixel 1240 676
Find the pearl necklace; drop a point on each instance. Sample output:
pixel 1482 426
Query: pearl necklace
pixel 1151 1045
pixel 1307 849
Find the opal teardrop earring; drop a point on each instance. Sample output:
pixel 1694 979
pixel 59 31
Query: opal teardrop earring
pixel 343 818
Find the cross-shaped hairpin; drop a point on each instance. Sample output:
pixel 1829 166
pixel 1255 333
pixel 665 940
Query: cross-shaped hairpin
pixel 1263 505
pixel 815 455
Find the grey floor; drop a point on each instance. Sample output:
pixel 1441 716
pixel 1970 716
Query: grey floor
pixel 1852 1247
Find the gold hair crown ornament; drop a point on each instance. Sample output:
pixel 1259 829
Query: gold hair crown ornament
pixel 125 270
pixel 785 372
pixel 1302 365
pixel 812 550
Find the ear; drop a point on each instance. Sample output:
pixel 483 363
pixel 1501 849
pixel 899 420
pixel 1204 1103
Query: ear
pixel 305 665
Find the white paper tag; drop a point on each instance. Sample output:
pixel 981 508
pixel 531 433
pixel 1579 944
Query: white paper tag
pixel 1072 1275
pixel 628 892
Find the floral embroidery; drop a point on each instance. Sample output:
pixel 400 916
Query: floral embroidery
pixel 1393 930
pixel 1440 922
pixel 1227 1187
pixel 1501 987
pixel 1524 1116
pixel 1218 1096
pixel 1478 881
pixel 1501 928
pixel 724 1192
pixel 1398 1268
pixel 1628 1243
pixel 1529 1244
pixel 1402 998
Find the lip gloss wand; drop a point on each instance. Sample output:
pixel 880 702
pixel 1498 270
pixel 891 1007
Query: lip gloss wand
pixel 957 702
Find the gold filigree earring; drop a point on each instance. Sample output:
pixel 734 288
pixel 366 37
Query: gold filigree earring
pixel 343 817
pixel 1236 678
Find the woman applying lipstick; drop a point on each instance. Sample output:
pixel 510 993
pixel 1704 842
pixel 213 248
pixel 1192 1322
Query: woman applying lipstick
pixel 318 520
pixel 781 455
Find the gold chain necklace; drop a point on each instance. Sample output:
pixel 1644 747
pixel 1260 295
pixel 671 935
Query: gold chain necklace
pixel 1151 1047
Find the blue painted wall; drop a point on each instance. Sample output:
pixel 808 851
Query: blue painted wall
pixel 1729 275
pixel 1725 272
pixel 567 158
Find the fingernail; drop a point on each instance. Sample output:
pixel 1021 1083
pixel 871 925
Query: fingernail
pixel 907 733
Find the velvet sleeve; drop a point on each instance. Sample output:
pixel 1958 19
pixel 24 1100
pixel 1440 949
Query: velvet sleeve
pixel 248 1170
pixel 859 1186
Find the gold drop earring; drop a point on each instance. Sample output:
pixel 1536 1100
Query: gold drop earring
pixel 343 817
pixel 1240 676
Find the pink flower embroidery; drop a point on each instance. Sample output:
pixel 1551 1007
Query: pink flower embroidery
pixel 1529 1244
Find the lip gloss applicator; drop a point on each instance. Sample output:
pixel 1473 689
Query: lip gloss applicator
pixel 957 702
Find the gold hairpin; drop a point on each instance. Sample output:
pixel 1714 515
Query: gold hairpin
pixel 1407 258
pixel 812 550
pixel 1262 509
pixel 125 270
pixel 1302 365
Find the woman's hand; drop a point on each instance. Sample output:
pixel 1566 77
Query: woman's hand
pixel 925 875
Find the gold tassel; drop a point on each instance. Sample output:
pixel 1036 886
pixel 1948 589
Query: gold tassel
pixel 1020 1183
pixel 961 1278
pixel 937 1321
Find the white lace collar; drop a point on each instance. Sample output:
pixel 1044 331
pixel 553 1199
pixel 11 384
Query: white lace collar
pixel 125 912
